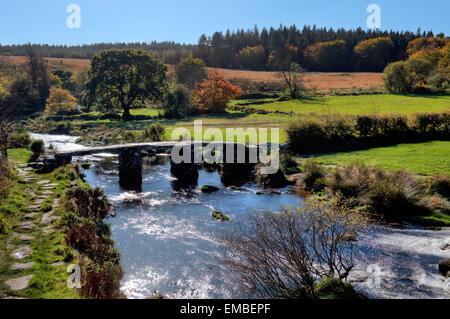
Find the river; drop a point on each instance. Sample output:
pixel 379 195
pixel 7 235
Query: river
pixel 170 244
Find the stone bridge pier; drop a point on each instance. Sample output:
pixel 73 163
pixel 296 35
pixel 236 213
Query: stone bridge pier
pixel 130 169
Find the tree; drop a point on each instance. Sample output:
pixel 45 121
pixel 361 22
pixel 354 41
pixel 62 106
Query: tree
pixel 39 75
pixel 252 58
pixel 282 254
pixel 213 94
pixel 190 71
pixel 178 102
pixel 79 83
pixel 328 56
pixel 373 55
pixel 293 78
pixel 404 76
pixel 281 58
pixel 60 101
pixel 125 78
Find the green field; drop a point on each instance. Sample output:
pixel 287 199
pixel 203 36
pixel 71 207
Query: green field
pixel 361 104
pixel 423 158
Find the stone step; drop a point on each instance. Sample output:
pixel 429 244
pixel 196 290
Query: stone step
pixel 34 207
pixel 47 192
pixel 22 252
pixel 22 266
pixel 57 264
pixel 26 226
pixel 23 237
pixel 43 182
pixel 31 216
pixel 48 229
pixel 19 283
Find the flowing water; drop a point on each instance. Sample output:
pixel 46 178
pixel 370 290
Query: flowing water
pixel 170 244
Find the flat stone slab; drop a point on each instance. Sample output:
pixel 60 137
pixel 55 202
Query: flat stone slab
pixel 34 207
pixel 43 182
pixel 51 185
pixel 39 201
pixel 22 252
pixel 28 169
pixel 22 266
pixel 42 196
pixel 31 216
pixel 48 229
pixel 24 237
pixel 48 218
pixel 47 192
pixel 19 283
pixel 26 226
pixel 57 264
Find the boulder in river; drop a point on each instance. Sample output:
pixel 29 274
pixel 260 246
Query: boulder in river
pixel 220 216
pixel 209 189
pixel 444 267
pixel 277 180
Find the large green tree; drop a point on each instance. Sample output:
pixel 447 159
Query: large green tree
pixel 125 78
pixel 191 71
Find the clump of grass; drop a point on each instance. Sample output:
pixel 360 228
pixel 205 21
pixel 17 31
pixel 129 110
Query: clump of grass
pixel 90 235
pixel 314 178
pixel 154 132
pixel 440 184
pixel 335 288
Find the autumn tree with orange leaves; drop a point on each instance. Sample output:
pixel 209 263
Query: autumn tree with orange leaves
pixel 213 94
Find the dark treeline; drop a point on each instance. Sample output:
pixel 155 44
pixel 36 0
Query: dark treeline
pixel 266 49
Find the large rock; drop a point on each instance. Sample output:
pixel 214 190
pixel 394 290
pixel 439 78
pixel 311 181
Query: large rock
pixel 277 180
pixel 209 189
pixel 444 267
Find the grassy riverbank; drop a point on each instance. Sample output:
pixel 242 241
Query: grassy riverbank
pixel 50 254
pixel 46 228
pixel 428 158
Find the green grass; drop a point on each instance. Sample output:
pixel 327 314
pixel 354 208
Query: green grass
pixel 361 104
pixel 423 158
pixel 48 281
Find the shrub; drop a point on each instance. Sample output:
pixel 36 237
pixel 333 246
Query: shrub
pixel 404 77
pixel 5 178
pixel 440 184
pixel 37 147
pixel 281 254
pixel 339 133
pixel 19 138
pixel 335 288
pixel 178 103
pixel 87 202
pixel 85 209
pixel 314 178
pixel 154 132
pixel 102 281
pixel 4 227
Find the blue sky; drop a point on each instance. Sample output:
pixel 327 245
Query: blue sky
pixel 44 21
